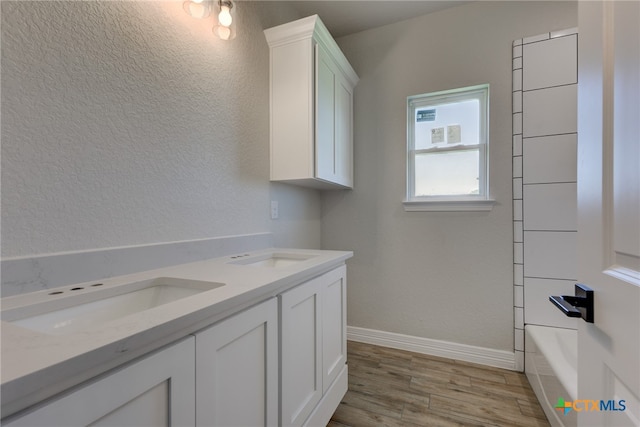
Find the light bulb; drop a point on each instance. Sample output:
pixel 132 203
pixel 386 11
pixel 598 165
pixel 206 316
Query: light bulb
pixel 224 18
pixel 223 32
pixel 197 8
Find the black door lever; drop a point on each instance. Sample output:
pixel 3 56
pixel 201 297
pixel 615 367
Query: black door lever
pixel 580 305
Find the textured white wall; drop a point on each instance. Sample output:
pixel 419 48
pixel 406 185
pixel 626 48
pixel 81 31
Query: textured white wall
pixel 129 123
pixel 437 275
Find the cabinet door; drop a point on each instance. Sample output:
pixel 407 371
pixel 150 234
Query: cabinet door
pixel 301 351
pixel 334 325
pixel 334 117
pixel 237 369
pixel 325 147
pixel 291 110
pixel 343 162
pixel 158 390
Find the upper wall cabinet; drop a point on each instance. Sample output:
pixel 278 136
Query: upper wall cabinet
pixel 311 85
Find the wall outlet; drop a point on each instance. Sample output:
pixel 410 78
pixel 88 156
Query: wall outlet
pixel 274 209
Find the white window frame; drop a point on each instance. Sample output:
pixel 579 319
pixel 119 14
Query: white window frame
pixel 478 202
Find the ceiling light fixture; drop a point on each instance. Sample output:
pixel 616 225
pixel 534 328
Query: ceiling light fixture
pixel 226 25
pixel 197 8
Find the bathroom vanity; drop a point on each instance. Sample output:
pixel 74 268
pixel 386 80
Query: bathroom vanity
pixel 250 339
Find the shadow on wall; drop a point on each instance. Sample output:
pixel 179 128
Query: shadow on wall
pixel 365 196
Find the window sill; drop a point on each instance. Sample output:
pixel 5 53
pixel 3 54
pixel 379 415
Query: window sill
pixel 448 205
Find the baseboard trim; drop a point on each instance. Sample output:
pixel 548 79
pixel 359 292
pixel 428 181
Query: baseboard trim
pixel 468 353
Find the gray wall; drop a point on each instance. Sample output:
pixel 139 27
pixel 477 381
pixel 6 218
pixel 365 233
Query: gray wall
pixel 437 275
pixel 127 123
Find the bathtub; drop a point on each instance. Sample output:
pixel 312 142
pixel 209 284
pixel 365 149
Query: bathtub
pixel 551 360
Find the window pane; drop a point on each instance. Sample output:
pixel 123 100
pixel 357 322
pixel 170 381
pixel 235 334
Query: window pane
pixel 447 125
pixel 452 173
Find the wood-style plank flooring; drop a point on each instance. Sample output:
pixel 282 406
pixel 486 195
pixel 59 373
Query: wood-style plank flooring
pixel 389 387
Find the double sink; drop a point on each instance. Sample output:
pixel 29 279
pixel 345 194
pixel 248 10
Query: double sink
pixel 75 309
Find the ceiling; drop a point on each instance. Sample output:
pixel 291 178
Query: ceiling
pixel 343 17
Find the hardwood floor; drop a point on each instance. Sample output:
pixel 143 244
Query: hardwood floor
pixel 389 387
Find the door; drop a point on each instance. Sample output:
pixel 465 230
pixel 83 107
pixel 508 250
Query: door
pixel 237 369
pixel 157 390
pixel 609 212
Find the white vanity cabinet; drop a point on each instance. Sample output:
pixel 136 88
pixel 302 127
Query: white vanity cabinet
pixel 301 351
pixel 225 375
pixel 157 390
pixel 311 106
pixel 334 325
pixel 313 349
pixel 281 361
pixel 237 369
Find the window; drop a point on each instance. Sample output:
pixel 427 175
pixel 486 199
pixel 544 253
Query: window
pixel 448 150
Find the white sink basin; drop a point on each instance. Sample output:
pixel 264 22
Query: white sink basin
pixel 274 260
pixel 92 307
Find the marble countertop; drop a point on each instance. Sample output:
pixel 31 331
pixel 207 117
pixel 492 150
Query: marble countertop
pixel 36 366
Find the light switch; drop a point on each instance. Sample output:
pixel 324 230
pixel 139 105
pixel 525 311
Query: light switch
pixel 274 209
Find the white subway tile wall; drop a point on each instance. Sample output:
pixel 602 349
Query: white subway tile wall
pixel 518 248
pixel 519 317
pixel 517 188
pixel 517 145
pixel 518 275
pixel 550 159
pixel 517 49
pixel 517 210
pixel 538 310
pixel 517 101
pixel 550 207
pixel 550 254
pixel 518 253
pixel 517 123
pixel 517 167
pixel 518 296
pixel 551 111
pixel 518 232
pixel 519 335
pixel 533 39
pixel 517 63
pixel 550 63
pixel 544 178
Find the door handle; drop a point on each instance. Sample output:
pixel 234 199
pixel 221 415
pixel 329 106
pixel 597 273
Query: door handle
pixel 580 305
